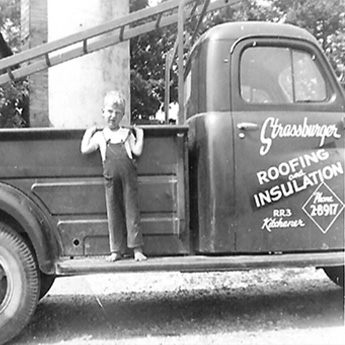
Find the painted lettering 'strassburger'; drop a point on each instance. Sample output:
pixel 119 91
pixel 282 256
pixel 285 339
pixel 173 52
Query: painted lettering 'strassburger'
pixel 272 129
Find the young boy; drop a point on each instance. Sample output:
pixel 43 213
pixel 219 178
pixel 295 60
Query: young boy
pixel 117 146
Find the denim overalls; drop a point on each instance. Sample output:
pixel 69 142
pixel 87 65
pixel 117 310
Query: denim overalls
pixel 121 191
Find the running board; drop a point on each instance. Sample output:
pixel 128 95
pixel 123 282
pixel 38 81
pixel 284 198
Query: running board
pixel 197 263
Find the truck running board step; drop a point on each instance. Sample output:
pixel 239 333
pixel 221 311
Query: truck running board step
pixel 197 263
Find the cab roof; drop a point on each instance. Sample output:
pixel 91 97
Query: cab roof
pixel 237 30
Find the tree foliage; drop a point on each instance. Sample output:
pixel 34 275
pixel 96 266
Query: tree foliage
pixel 10 22
pixel 325 19
pixel 13 95
pixel 148 53
pixel 148 72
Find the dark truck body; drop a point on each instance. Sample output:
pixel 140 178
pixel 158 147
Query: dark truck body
pixel 247 189
pixel 242 200
pixel 255 178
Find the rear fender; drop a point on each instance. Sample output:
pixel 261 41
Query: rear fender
pixel 28 219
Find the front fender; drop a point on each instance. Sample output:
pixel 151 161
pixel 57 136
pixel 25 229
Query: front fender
pixel 32 221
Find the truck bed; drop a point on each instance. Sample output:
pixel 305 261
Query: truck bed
pixel 48 167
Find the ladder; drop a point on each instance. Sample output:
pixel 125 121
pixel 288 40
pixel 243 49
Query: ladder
pixel 113 32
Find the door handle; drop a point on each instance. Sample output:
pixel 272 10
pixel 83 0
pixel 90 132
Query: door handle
pixel 247 126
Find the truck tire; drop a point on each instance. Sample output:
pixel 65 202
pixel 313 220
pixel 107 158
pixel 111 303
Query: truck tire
pixel 336 274
pixel 47 280
pixel 19 283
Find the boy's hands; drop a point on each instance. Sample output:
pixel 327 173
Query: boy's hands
pixel 87 144
pixel 139 132
pixel 92 130
pixel 138 142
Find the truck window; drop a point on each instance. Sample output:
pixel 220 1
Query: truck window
pixel 280 75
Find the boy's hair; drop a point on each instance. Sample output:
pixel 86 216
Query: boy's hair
pixel 115 98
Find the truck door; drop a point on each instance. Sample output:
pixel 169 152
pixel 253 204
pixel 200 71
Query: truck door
pixel 288 113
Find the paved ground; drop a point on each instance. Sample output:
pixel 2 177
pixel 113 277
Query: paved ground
pixel 292 306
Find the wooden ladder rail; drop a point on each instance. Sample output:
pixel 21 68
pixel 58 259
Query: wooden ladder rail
pixel 48 55
pixel 165 14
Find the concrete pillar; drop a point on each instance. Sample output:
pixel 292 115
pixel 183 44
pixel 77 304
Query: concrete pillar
pixel 77 87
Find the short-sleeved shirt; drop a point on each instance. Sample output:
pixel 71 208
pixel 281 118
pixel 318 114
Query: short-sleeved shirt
pixel 122 135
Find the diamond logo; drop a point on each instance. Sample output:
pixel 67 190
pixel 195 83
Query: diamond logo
pixel 323 207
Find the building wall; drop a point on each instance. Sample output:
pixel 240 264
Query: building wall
pixel 70 95
pixel 77 87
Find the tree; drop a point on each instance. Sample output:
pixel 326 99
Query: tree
pixel 325 19
pixel 10 22
pixel 149 51
pixel 13 95
pixel 147 54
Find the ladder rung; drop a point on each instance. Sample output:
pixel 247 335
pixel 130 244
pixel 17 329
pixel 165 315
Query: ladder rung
pixel 159 17
pixel 10 74
pixel 46 56
pixel 122 30
pixel 85 50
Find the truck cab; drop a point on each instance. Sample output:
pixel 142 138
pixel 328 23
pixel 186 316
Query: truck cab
pixel 266 136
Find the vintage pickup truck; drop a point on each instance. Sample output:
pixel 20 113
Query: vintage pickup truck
pixel 253 179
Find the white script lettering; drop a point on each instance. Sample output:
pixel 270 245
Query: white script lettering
pixel 272 129
pixel 274 223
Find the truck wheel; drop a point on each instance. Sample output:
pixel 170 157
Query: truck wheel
pixel 47 280
pixel 19 283
pixel 336 274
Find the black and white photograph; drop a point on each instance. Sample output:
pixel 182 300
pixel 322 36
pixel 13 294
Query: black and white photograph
pixel 172 172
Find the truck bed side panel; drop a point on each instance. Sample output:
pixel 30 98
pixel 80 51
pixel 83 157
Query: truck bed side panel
pixel 47 166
